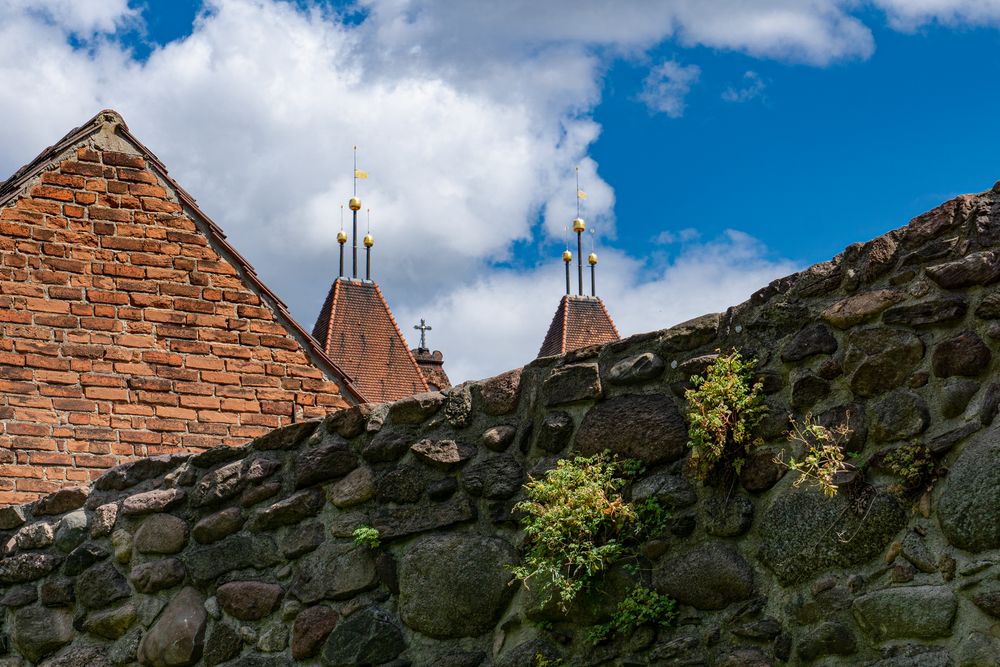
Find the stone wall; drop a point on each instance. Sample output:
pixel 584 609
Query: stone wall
pixel 244 556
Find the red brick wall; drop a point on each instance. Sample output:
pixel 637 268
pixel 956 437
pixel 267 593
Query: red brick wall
pixel 125 332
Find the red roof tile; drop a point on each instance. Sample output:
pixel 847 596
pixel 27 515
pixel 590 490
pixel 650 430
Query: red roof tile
pixel 579 321
pixel 357 331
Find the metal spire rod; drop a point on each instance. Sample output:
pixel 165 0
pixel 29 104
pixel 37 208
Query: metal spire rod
pixel 368 249
pixel 579 237
pixel 569 289
pixel 340 243
pixel 593 283
pixel 354 238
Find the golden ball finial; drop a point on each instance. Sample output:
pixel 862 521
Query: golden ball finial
pixel 341 237
pixel 567 256
pixel 369 240
pixel 592 259
pixel 579 226
pixel 355 204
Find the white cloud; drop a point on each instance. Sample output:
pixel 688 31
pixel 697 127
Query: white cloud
pixel 666 237
pixel 469 116
pixel 752 87
pixel 667 85
pixel 911 14
pixel 498 322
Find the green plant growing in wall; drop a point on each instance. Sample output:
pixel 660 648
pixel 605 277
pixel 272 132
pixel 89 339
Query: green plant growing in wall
pixel 823 454
pixel 724 408
pixel 577 525
pixel 641 606
pixel 542 661
pixel 366 536
pixel 913 464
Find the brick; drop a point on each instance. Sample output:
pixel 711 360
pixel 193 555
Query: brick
pixel 113 214
pixel 116 159
pixel 106 393
pixel 81 168
pixel 136 176
pixel 49 192
pixel 159 205
pixel 87 155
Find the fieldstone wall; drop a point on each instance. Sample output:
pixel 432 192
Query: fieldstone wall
pixel 244 556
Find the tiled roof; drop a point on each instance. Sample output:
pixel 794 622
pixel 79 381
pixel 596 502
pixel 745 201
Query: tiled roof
pixel 357 330
pixel 109 117
pixel 579 321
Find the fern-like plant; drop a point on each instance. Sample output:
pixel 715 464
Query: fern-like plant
pixel 724 408
pixel 822 459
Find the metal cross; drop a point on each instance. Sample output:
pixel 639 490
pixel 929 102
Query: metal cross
pixel 423 327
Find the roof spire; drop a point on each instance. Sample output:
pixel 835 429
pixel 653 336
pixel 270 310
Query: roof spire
pixel 369 242
pixel 355 205
pixel 579 226
pixel 341 240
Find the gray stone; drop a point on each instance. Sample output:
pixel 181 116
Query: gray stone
pixel 38 631
pixel 129 474
pixel 880 359
pixel 160 534
pixel 443 454
pixel 19 596
pixel 393 522
pixel 499 395
pixel 354 489
pixel 494 478
pixel 101 585
pixel 229 480
pixel 760 472
pixel 257 493
pixel 670 491
pixel 223 643
pixel 403 484
pixel 11 516
pixel 416 409
pixel 498 438
pixel 571 384
pixel 72 531
pixel 711 576
pixel 899 415
pixel 57 592
pixel 111 623
pixel 157 575
pixel 936 312
pixel 216 526
pixel 387 446
pixel 914 549
pixel 455 585
pixel 955 396
pixel 61 501
pixel 989 601
pixel 458 406
pixel 78 656
pixel 302 539
pixel 235 552
pixel 919 612
pixel 349 422
pixel 292 509
pixel 690 334
pixel 978 649
pixel 334 571
pixel 556 431
pixel 178 636
pixel 638 368
pixel 978 268
pixel 367 637
pixel 861 307
pixel 311 628
pixel 969 506
pixel 648 427
pixel 83 557
pixel 727 515
pixel 36 535
pixel 989 307
pixel 801 532
pixel 761 630
pixel 152 501
pixel 27 567
pixel 807 391
pixel 323 463
pixel 812 339
pixel 272 639
pixel 829 638
pixel 249 600
pixel 121 542
pixel 288 437
pixel 744 657
pixel 964 354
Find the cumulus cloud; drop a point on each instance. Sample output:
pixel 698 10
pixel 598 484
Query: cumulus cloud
pixel 751 88
pixel 911 14
pixel 667 85
pixel 469 117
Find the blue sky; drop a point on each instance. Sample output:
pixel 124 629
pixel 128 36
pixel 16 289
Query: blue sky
pixel 722 143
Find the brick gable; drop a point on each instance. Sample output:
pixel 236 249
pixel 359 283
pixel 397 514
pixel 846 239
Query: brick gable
pixel 129 326
pixel 579 321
